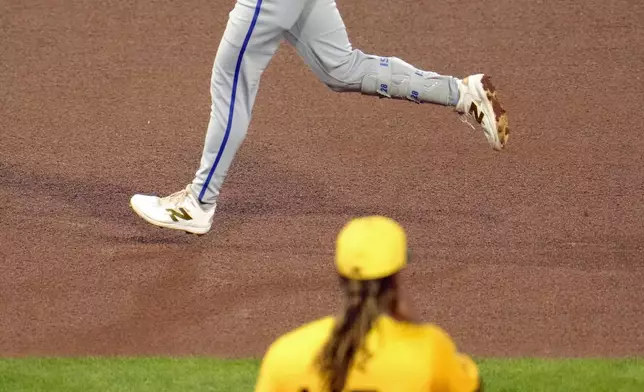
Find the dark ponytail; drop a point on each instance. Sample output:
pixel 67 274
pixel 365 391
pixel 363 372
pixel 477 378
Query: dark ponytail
pixel 365 302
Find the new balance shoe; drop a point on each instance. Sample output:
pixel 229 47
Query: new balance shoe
pixel 478 100
pixel 179 211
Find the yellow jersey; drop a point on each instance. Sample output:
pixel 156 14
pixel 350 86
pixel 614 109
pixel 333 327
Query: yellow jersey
pixel 404 357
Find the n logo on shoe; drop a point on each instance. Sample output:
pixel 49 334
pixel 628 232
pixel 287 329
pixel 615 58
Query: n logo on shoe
pixel 182 213
pixel 474 110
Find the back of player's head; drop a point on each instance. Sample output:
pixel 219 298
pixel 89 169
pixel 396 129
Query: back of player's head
pixel 370 251
pixel 371 247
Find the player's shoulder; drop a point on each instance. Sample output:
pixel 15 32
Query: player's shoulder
pixel 427 332
pixel 310 330
pixel 438 338
pixel 309 335
pixel 434 330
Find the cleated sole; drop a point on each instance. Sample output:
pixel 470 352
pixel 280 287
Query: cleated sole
pixel 501 116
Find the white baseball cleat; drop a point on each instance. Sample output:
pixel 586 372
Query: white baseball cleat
pixel 478 100
pixel 179 211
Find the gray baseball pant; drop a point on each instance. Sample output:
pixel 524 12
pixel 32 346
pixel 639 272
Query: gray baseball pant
pixel 315 28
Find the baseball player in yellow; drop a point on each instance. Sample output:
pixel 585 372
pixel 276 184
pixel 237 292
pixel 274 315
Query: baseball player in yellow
pixel 373 345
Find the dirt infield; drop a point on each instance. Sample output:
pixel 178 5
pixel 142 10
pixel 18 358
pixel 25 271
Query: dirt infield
pixel 537 250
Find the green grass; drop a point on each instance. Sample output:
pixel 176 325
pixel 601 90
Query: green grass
pixel 595 375
pixel 204 374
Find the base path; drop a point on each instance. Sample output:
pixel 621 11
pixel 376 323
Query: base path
pixel 537 250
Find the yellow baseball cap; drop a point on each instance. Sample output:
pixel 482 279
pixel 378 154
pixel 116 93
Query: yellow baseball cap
pixel 371 247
